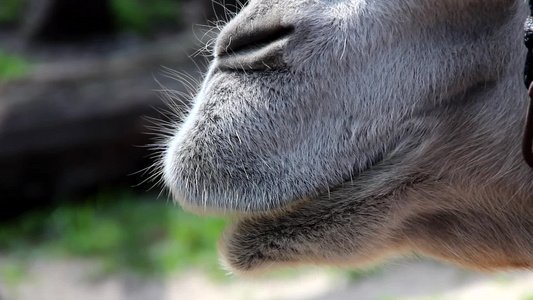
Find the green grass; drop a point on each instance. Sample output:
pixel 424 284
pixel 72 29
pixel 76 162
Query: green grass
pixel 13 273
pixel 129 234
pixel 141 16
pixel 13 66
pixel 356 275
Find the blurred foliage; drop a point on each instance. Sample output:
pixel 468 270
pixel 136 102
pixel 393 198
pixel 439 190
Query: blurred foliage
pixel 128 233
pixel 11 10
pixel 13 273
pixel 355 275
pixel 141 16
pixel 13 66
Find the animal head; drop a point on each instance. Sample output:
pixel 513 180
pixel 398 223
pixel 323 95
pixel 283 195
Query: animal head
pixel 344 131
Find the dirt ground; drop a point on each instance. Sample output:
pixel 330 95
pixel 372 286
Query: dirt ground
pixel 398 280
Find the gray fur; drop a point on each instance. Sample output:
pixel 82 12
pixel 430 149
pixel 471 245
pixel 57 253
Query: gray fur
pixel 376 127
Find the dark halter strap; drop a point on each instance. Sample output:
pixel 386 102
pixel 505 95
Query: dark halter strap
pixel 527 144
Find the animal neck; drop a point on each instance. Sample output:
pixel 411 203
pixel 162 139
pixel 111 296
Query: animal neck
pixel 475 142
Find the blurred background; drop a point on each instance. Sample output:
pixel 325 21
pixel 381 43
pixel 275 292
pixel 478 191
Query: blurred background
pixel 82 85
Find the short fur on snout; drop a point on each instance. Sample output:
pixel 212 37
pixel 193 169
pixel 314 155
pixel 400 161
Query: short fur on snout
pixel 369 128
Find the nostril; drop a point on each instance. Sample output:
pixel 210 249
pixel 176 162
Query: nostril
pixel 249 40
